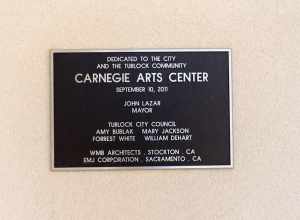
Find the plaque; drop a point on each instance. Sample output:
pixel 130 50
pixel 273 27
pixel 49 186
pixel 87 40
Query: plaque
pixel 149 109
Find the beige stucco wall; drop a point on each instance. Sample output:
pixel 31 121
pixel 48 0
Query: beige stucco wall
pixel 264 36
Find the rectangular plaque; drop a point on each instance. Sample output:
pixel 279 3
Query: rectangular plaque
pixel 115 109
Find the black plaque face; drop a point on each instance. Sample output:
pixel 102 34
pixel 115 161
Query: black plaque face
pixel 141 109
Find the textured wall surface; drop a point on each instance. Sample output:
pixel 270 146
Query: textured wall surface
pixel 264 36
